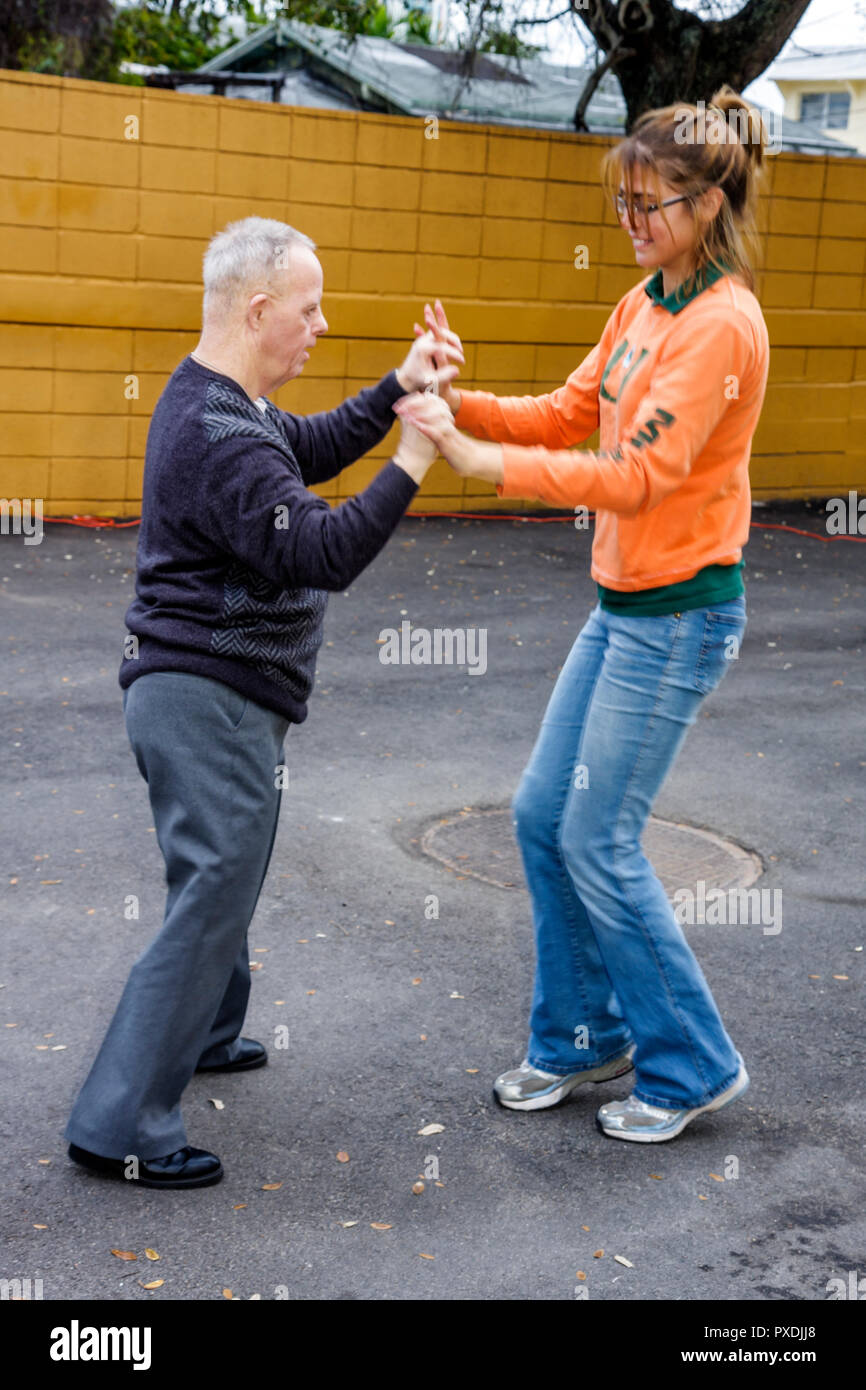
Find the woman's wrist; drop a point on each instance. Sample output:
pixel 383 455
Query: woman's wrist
pixel 477 458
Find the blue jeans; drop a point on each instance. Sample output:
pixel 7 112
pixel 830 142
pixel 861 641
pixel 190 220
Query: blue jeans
pixel 613 965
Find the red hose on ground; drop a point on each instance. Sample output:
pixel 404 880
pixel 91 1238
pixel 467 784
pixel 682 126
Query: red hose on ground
pixel 109 523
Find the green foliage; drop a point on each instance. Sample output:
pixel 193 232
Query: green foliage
pixel 509 43
pixel 180 34
pixel 65 38
pixel 493 26
pixel 151 34
pixel 418 27
pixel 378 25
pixel 41 52
pixel 359 17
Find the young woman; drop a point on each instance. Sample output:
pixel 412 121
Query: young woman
pixel 676 385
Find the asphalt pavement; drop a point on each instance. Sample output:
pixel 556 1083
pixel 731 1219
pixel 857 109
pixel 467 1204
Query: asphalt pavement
pixel 391 991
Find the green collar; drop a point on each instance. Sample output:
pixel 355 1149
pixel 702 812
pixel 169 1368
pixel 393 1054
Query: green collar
pixel 676 300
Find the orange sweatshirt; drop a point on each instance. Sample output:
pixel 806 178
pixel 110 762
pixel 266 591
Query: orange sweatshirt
pixel 676 386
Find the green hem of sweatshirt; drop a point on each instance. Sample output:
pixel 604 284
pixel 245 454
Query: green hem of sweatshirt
pixel 711 585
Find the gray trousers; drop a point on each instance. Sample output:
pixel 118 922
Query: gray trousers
pixel 209 757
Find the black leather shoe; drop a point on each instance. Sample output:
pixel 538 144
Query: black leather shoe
pixel 252 1054
pixel 186 1167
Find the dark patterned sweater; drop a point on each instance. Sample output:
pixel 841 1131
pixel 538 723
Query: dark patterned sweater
pixel 235 555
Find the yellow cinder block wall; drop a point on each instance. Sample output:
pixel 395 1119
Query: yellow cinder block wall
pixel 108 196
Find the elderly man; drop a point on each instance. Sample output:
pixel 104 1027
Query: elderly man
pixel 235 558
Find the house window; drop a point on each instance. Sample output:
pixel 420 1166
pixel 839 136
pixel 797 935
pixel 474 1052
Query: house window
pixel 829 110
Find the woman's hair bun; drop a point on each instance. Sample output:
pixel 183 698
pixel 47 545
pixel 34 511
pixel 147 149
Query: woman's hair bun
pixel 743 119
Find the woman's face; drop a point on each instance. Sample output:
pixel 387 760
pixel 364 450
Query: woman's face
pixel 654 244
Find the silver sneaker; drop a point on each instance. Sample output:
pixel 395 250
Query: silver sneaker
pixel 650 1124
pixel 527 1088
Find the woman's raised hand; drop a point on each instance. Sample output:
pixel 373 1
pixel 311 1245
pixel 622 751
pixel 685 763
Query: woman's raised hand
pixel 437 323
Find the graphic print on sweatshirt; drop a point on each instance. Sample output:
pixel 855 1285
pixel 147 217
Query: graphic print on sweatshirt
pixel 277 631
pixel 613 382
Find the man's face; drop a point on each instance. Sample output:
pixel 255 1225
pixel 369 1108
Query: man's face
pixel 291 319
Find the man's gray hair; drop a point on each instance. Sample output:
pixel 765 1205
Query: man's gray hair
pixel 245 256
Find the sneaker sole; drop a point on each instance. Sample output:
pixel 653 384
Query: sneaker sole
pixel 548 1099
pixel 636 1137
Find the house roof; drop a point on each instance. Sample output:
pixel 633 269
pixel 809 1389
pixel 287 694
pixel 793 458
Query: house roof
pixel 819 65
pixel 414 79
pixel 324 68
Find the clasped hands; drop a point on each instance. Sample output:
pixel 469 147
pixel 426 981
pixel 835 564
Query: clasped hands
pixel 427 412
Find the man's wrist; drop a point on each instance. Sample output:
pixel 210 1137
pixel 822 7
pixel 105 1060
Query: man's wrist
pixel 413 464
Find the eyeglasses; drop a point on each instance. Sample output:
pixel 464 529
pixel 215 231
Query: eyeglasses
pixel 640 209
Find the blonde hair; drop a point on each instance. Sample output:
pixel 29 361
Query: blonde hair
pixel 694 148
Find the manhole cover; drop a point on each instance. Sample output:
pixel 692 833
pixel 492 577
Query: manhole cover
pixel 482 845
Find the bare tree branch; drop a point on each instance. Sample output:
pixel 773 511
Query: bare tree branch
pixel 616 52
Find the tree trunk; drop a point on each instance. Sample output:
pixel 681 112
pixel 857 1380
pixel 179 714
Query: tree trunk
pixel 683 58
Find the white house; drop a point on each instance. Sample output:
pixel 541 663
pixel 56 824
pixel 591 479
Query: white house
pixel 825 87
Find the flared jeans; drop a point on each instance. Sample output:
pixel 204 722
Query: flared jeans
pixel 613 966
